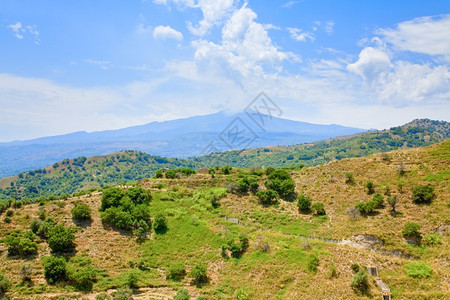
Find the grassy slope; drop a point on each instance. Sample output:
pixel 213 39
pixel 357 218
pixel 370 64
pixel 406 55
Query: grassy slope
pixel 196 232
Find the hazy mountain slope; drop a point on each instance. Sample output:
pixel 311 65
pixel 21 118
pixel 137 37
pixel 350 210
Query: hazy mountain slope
pixel 177 138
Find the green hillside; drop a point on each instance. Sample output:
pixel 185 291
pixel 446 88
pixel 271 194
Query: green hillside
pixel 210 235
pixel 83 173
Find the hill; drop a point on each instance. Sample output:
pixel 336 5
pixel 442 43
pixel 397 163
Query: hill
pixel 279 252
pixel 84 173
pixel 175 138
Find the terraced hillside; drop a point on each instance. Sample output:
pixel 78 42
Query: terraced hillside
pixel 250 250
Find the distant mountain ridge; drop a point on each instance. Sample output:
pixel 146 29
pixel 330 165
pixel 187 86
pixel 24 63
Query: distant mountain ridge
pixel 187 137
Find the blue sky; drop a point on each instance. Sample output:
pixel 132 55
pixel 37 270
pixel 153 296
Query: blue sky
pixel 67 66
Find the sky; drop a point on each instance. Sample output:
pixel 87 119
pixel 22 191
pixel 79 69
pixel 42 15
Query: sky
pixel 69 66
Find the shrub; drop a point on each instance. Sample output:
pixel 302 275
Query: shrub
pixel 26 270
pixel 226 170
pixel 35 224
pixel 318 208
pixel 160 223
pixel 132 278
pixel 9 213
pixel 281 182
pixel 117 217
pixel 139 195
pixel 5 284
pixel 304 204
pixel 54 269
pixel 81 212
pixel 366 207
pixel 238 248
pixel 370 188
pixel 267 197
pixel 199 273
pixel 378 200
pixel 21 244
pixel 355 267
pixel 423 194
pixel 61 239
pixel 360 281
pixel 333 272
pixel 392 201
pixel 349 179
pixel 171 174
pixel 83 278
pixel 176 271
pixel 7 220
pixel 41 213
pixel 432 239
pixel 159 173
pixel 102 296
pixel 418 270
pixel 111 198
pixel 45 227
pixel 253 187
pixel 313 262
pixel 411 230
pixel 182 294
pixel 122 294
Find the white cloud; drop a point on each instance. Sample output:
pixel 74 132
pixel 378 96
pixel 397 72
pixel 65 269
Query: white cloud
pixel 329 27
pixel 103 64
pixel 19 31
pixel 166 32
pixel 427 35
pixel 300 36
pixel 289 4
pixel 372 64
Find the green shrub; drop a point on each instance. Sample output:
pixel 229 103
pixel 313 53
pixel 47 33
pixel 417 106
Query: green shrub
pixel 333 272
pixel 349 178
pixel 199 273
pixel 139 195
pixel 61 239
pixel 132 278
pixel 41 213
pixel 423 194
pixel 360 281
pixel 304 204
pixel 281 182
pixel 35 224
pixel 367 207
pixel 432 239
pixel 171 174
pixel 81 212
pixel 182 294
pixel 267 197
pixel 378 200
pixel 411 230
pixel 176 271
pixel 318 208
pixel 238 248
pixel 83 278
pixel 159 173
pixel 370 188
pixel 160 223
pixel 253 187
pixel 45 227
pixel 5 284
pixel 313 262
pixel 26 270
pixel 54 269
pixel 226 170
pixel 102 296
pixel 418 270
pixel 117 217
pixel 7 219
pixel 9 213
pixel 355 267
pixel 21 244
pixel 122 294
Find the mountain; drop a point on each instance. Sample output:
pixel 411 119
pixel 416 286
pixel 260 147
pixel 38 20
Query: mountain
pixel 177 138
pixel 83 173
pixel 245 249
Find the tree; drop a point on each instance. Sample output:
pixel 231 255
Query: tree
pixel 349 179
pixel 378 200
pixel 199 273
pixel 61 239
pixel 160 223
pixel 423 194
pixel 253 187
pixel 411 229
pixel 318 208
pixel 226 170
pixel 281 182
pixel 304 204
pixel 26 270
pixel 360 281
pixel 139 195
pixel 81 212
pixel 392 201
pixel 182 294
pixel 176 271
pixel 111 198
pixel 54 269
pixel 171 174
pixel 5 284
pixel 370 188
pixel 267 197
pixel 159 173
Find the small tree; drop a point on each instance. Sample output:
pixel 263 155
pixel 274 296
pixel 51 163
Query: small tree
pixel 360 281
pixel 304 204
pixel 5 284
pixel 392 201
pixel 54 269
pixel 313 262
pixel 423 194
pixel 182 294
pixel 61 239
pixel 199 273
pixel 370 188
pixel 349 179
pixel 176 271
pixel 160 224
pixel 81 212
pixel 318 208
pixel 159 173
pixel 26 270
pixel 267 197
pixel 411 230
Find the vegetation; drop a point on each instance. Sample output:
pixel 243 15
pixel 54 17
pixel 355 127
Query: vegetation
pixel 176 271
pixel 182 294
pixel 304 204
pixel 81 212
pixel 418 270
pixel 54 269
pixel 423 194
pixel 360 282
pixel 61 239
pixel 5 284
pixel 267 197
pixel 199 274
pixel 411 230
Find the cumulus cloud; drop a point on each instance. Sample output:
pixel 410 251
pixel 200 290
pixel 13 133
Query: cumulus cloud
pixel 372 64
pixel 166 32
pixel 300 36
pixel 19 31
pixel 427 35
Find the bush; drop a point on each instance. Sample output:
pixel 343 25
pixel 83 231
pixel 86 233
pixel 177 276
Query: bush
pixel 199 273
pixel 281 182
pixel 26 270
pixel 418 270
pixel 423 194
pixel 160 224
pixel 237 248
pixel 367 207
pixel 5 284
pixel 35 224
pixel 355 267
pixel 253 187
pixel 432 239
pixel 9 213
pixel 349 179
pixel 226 170
pixel 318 208
pixel 122 294
pixel 392 201
pixel 313 262
pixel 7 220
pixel 102 296
pixel 159 173
pixel 333 272
pixel 83 278
pixel 411 230
pixel 360 281
pixel 45 227
pixel 132 278
pixel 21 244
pixel 370 188
pixel 61 239
pixel 54 269
pixel 171 174
pixel 304 204
pixel 378 200
pixel 176 271
pixel 81 212
pixel 267 197
pixel 117 217
pixel 139 195
pixel 182 294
